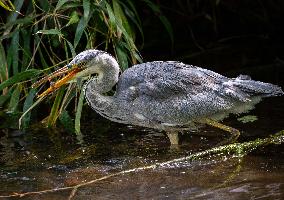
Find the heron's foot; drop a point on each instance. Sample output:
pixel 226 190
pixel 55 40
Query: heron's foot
pixel 173 137
pixel 235 133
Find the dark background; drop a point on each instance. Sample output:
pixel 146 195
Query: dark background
pixel 229 37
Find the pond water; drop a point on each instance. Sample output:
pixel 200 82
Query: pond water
pixel 41 159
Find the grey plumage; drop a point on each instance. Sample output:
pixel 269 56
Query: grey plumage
pixel 166 95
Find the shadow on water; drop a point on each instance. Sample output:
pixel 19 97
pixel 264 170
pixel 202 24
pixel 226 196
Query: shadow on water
pixel 43 159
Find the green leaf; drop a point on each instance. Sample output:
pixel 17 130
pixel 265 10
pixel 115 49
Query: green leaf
pixel 44 5
pixel 60 4
pixel 121 18
pixel 3 64
pixel 79 31
pixel 9 6
pixel 29 109
pixel 78 115
pixel 21 21
pixel 22 76
pixel 247 118
pixel 67 121
pixel 163 19
pixel 26 36
pixel 168 27
pixel 50 32
pixel 122 57
pixel 74 18
pixel 15 52
pixel 71 48
pixel 54 113
pixel 3 99
pixel 13 16
pixel 86 7
pixel 27 104
pixel 15 98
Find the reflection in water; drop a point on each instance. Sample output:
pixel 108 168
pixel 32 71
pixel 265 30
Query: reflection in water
pixel 43 159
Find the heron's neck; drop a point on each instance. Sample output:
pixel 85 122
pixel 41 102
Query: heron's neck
pixel 96 87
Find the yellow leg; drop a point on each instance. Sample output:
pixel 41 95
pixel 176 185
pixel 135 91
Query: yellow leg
pixel 235 133
pixel 173 137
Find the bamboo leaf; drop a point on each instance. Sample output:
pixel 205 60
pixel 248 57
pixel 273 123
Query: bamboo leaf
pixel 78 115
pixel 60 4
pixel 74 18
pixel 21 21
pixel 67 121
pixel 86 7
pixel 54 114
pixel 27 104
pixel 3 99
pixel 15 52
pixel 79 31
pixel 163 19
pixel 168 27
pixel 26 36
pixel 29 109
pixel 121 18
pixel 13 16
pixel 15 98
pixel 22 76
pixel 71 48
pixel 3 64
pixel 44 5
pixel 122 56
pixel 50 32
pixel 9 6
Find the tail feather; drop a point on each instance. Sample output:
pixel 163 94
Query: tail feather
pixel 258 88
pixel 243 88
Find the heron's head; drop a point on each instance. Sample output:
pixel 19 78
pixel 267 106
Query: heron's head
pixel 84 65
pixel 92 62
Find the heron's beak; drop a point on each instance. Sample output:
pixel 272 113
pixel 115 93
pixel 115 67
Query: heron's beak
pixel 70 74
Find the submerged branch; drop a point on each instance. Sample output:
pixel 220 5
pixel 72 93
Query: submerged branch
pixel 235 150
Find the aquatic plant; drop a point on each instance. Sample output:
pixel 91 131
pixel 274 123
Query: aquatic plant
pixel 38 36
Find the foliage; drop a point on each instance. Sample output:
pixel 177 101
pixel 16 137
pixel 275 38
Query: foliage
pixel 47 34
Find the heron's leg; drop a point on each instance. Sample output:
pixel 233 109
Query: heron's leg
pixel 173 137
pixel 235 133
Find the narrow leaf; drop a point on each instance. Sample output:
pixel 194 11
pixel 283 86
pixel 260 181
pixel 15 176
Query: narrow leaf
pixel 50 32
pixel 121 18
pixel 74 18
pixel 54 114
pixel 13 16
pixel 163 19
pixel 22 76
pixel 78 115
pixel 3 99
pixel 26 36
pixel 27 104
pixel 29 109
pixel 86 7
pixel 71 48
pixel 122 57
pixel 79 31
pixel 3 64
pixel 67 121
pixel 15 98
pixel 15 52
pixel 60 4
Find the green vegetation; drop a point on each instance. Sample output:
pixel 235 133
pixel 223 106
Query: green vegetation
pixel 37 36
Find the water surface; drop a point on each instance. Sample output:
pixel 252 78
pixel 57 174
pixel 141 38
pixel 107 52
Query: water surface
pixel 40 159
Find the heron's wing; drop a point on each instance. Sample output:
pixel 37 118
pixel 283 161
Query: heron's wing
pixel 163 80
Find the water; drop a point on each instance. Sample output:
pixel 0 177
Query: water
pixel 41 159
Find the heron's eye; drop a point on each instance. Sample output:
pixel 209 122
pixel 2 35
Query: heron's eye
pixel 81 64
pixel 96 75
